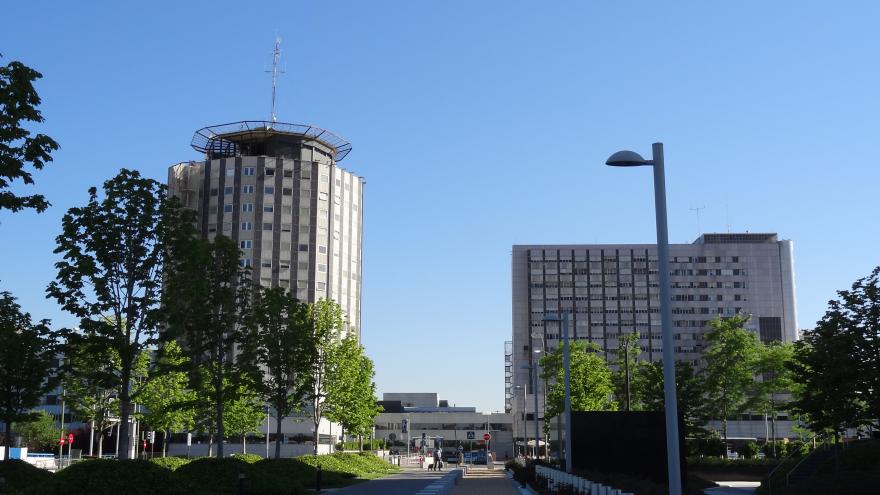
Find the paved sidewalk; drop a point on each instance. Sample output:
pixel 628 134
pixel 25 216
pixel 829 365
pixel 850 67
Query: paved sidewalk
pixel 407 482
pixel 486 482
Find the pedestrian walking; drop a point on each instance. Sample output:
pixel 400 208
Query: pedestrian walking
pixel 438 459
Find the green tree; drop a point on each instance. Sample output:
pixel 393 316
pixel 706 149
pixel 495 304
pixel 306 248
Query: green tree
pixel 626 359
pixel 243 414
pixel 770 390
pixel 729 373
pixel 40 433
pixel 326 334
pixel 836 365
pixel 351 391
pixel 113 253
pixel 282 346
pixel 168 401
pixel 91 378
pixel 207 300
pixel 18 148
pixel 27 364
pixel 648 389
pixel 591 386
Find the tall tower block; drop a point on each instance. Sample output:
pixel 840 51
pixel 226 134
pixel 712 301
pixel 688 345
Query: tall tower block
pixel 276 189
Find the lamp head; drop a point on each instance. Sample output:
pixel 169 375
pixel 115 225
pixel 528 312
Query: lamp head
pixel 627 158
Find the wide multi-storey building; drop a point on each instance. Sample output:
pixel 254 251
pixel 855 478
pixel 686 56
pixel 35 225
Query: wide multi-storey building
pixel 609 290
pixel 277 190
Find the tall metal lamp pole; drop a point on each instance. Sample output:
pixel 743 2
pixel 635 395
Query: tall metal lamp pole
pixel 632 159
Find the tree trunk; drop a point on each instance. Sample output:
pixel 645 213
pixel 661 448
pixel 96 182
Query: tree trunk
pixel 278 436
pixel 8 439
pixel 124 406
pixel 211 445
pixel 164 443
pixel 244 443
pixel 100 443
pixel 218 389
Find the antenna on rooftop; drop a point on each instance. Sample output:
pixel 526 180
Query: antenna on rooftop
pixel 276 56
pixel 699 230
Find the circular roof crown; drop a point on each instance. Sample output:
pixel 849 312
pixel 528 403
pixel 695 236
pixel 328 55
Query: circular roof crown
pixel 223 139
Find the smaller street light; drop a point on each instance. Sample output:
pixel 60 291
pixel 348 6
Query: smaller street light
pixel 567 378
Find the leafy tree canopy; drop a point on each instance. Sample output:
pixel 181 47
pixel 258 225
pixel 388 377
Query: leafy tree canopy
pixel 18 148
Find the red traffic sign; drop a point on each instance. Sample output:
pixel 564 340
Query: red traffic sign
pixel 487 437
pixel 61 441
pixel 70 438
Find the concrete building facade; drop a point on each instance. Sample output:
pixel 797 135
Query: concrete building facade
pixel 277 191
pixel 407 416
pixel 609 290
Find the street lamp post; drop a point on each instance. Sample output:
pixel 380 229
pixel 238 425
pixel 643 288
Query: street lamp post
pixel 567 379
pixel 525 424
pixel 632 159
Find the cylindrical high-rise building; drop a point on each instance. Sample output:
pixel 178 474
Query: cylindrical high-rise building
pixel 277 191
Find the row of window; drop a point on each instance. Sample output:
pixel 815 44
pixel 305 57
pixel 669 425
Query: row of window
pixel 537 257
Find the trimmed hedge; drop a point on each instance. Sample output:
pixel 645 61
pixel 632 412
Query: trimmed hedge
pixel 170 463
pixel 107 477
pixel 207 476
pixel 248 458
pixel 203 476
pixel 19 475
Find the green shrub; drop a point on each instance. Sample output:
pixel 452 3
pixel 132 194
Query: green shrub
pixel 248 458
pixel 749 450
pixel 19 475
pixel 107 477
pixel 170 463
pixel 222 476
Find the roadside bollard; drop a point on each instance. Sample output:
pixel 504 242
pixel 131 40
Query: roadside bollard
pixel 318 473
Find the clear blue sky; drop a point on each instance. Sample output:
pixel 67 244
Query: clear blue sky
pixel 479 125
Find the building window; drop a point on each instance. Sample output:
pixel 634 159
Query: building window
pixel 270 172
pixel 286 191
pixel 269 190
pixel 322 268
pixel 304 248
pixel 244 262
pixel 268 208
pixel 213 191
pixel 246 244
pixel 247 226
pixel 247 189
pixel 266 264
pixel 285 227
pixel 246 207
pixel 267 225
pixel 213 209
pixel 227 190
pixel 249 171
pixel 230 172
pixel 322 249
pixel 321 286
pixel 227 208
pixel 288 173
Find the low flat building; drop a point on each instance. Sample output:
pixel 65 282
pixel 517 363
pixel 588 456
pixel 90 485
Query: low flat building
pixel 408 418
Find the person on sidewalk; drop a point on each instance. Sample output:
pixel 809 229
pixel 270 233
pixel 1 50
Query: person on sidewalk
pixel 438 459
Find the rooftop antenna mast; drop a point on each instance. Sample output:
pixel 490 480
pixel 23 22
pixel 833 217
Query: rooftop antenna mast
pixel 699 230
pixel 276 56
